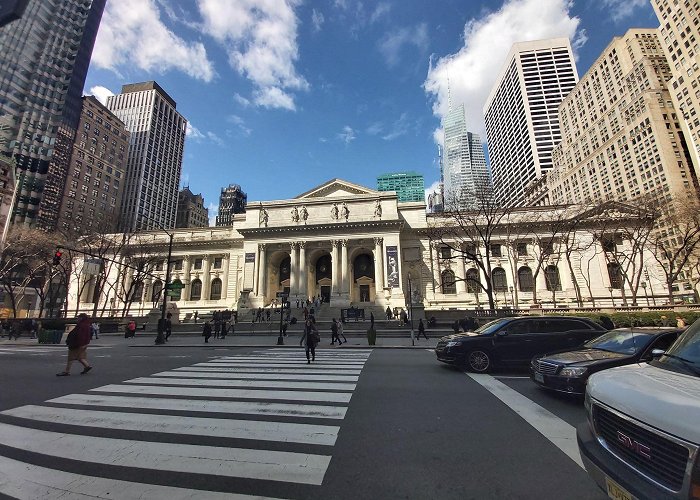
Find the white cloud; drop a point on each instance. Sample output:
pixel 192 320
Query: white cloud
pixel 261 40
pixel 193 133
pixel 620 9
pixel 132 34
pixel 215 139
pixel 398 128
pixel 375 129
pixel 317 19
pixel 347 135
pixel 383 9
pixel 101 93
pixel 473 70
pixel 240 124
pixel 393 43
pixel 241 100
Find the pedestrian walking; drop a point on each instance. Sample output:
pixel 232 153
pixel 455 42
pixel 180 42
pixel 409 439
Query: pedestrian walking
pixel 77 342
pixel 95 330
pixel 206 331
pixel 680 322
pixel 455 326
pixel 421 329
pixel 664 321
pixel 388 313
pixel 340 332
pixel 196 315
pixel 312 338
pixel 224 329
pixel 334 333
pixel 130 330
pixel 217 328
pixel 267 314
pixel 168 326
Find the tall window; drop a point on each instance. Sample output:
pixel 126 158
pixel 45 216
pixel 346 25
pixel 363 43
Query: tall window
pixel 178 265
pixel 157 290
pixel 217 262
pixel 551 276
pixel 448 282
pixel 445 253
pixel 137 292
pixel 521 249
pixel 496 250
pixel 615 275
pixel 498 277
pixel 198 263
pixel 525 283
pixel 215 289
pixel 196 290
pixel 473 281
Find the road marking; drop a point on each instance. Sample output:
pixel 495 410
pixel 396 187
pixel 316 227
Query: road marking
pixel 276 384
pixel 251 364
pixel 259 376
pixel 268 465
pixel 206 406
pixel 286 371
pixel 509 377
pixel 559 432
pixel 28 482
pixel 326 397
pixel 284 432
pixel 290 361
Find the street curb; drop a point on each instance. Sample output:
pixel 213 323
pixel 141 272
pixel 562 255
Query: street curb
pixel 214 346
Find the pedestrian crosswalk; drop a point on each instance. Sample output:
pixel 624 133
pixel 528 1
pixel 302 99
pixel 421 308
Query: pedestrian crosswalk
pixel 235 426
pixel 37 350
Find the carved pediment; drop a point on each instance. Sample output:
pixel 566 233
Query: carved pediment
pixel 336 188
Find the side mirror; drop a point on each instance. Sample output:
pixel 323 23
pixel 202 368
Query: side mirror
pixel 657 353
pixel 502 333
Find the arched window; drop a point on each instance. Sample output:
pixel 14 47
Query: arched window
pixel 285 266
pixel 196 290
pixel 551 277
pixel 448 282
pixel 157 291
pixel 137 292
pixel 215 289
pixel 525 283
pixel 176 288
pixel 473 285
pixel 498 278
pixel 615 275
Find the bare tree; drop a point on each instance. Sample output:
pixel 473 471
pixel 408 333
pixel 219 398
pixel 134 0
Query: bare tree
pixel 140 259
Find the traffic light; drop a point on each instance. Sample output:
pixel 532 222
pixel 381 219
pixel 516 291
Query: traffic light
pixel 57 257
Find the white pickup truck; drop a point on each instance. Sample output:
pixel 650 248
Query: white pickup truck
pixel 642 438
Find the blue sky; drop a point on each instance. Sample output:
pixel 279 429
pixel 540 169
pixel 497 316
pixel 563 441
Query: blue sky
pixel 283 95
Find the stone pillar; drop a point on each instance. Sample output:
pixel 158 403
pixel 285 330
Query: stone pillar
pixel 344 275
pixel 256 272
pixel 262 278
pixel 293 270
pixel 379 266
pixel 334 268
pixel 206 276
pixel 186 277
pixel 303 278
pixel 437 277
pixel 224 279
pixel 461 275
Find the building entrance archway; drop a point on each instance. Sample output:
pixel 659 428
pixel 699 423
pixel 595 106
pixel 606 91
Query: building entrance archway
pixel 363 285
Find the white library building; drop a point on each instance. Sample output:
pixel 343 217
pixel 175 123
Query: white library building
pixel 353 247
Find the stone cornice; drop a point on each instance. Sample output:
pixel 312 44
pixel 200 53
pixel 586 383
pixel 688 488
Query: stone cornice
pixel 334 228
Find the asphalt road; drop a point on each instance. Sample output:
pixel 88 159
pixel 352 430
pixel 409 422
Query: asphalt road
pixel 382 424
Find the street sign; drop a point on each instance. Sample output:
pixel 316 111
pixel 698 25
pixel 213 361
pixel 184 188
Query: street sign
pixel 176 286
pixel 92 266
pixel 282 295
pixel 173 293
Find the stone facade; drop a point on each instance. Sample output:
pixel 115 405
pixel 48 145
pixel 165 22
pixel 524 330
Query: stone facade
pixel 353 246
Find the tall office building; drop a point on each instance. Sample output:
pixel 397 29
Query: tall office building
pixel 95 184
pixel 231 201
pixel 155 155
pixel 521 113
pixel 680 32
pixel 464 166
pixel 45 58
pixel 409 186
pixel 621 138
pixel 191 211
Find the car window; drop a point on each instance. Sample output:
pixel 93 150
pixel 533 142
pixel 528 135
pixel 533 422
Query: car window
pixel 577 324
pixel 518 327
pixel 664 341
pixel 543 326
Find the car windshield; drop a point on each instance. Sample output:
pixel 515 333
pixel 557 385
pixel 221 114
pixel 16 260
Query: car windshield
pixel 684 354
pixel 621 341
pixel 491 326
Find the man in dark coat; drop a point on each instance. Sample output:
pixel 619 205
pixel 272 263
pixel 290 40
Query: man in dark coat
pixel 77 342
pixel 206 331
pixel 311 337
pixel 421 329
pixel 334 333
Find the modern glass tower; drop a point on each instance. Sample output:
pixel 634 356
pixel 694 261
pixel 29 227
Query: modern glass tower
pixel 45 58
pixel 464 165
pixel 409 186
pixel 155 155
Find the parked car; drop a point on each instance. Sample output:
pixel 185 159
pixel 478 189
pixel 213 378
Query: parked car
pixel 642 438
pixel 514 341
pixel 568 371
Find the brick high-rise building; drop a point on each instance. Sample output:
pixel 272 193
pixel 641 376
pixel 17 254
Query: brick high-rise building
pixel 231 201
pixel 45 58
pixel 95 184
pixel 155 155
pixel 522 120
pixel 191 211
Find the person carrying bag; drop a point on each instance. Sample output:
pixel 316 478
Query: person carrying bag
pixel 312 338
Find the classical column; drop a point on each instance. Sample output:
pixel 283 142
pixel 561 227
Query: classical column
pixel 437 277
pixel 293 270
pixel 186 277
pixel 379 265
pixel 262 283
pixel 303 278
pixel 344 283
pixel 334 268
pixel 224 279
pixel 256 271
pixel 461 278
pixel 206 276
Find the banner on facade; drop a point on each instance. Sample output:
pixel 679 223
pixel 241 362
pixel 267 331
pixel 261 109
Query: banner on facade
pixel 392 267
pixel 249 271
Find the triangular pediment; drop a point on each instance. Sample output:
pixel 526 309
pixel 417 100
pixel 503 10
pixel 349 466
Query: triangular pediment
pixel 336 188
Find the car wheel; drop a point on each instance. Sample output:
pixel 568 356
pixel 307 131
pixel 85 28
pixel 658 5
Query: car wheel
pixel 478 361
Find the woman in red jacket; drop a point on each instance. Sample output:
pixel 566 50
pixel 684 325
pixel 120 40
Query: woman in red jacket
pixel 77 342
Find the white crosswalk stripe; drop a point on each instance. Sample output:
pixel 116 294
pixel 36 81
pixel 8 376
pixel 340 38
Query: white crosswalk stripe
pixel 166 422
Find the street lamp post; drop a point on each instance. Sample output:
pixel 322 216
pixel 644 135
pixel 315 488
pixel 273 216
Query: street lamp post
pixel 283 296
pixel 160 337
pixel 644 286
pixel 512 299
pixel 410 309
pixel 610 289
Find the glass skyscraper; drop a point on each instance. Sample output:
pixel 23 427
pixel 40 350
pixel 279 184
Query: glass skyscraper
pixel 464 164
pixel 45 58
pixel 409 186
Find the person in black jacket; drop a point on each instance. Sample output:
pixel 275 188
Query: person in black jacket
pixel 421 329
pixel 312 338
pixel 206 331
pixel 334 333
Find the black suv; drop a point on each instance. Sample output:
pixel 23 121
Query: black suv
pixel 514 341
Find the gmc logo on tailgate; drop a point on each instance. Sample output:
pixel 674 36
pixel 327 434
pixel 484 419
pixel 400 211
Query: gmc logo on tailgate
pixel 635 446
